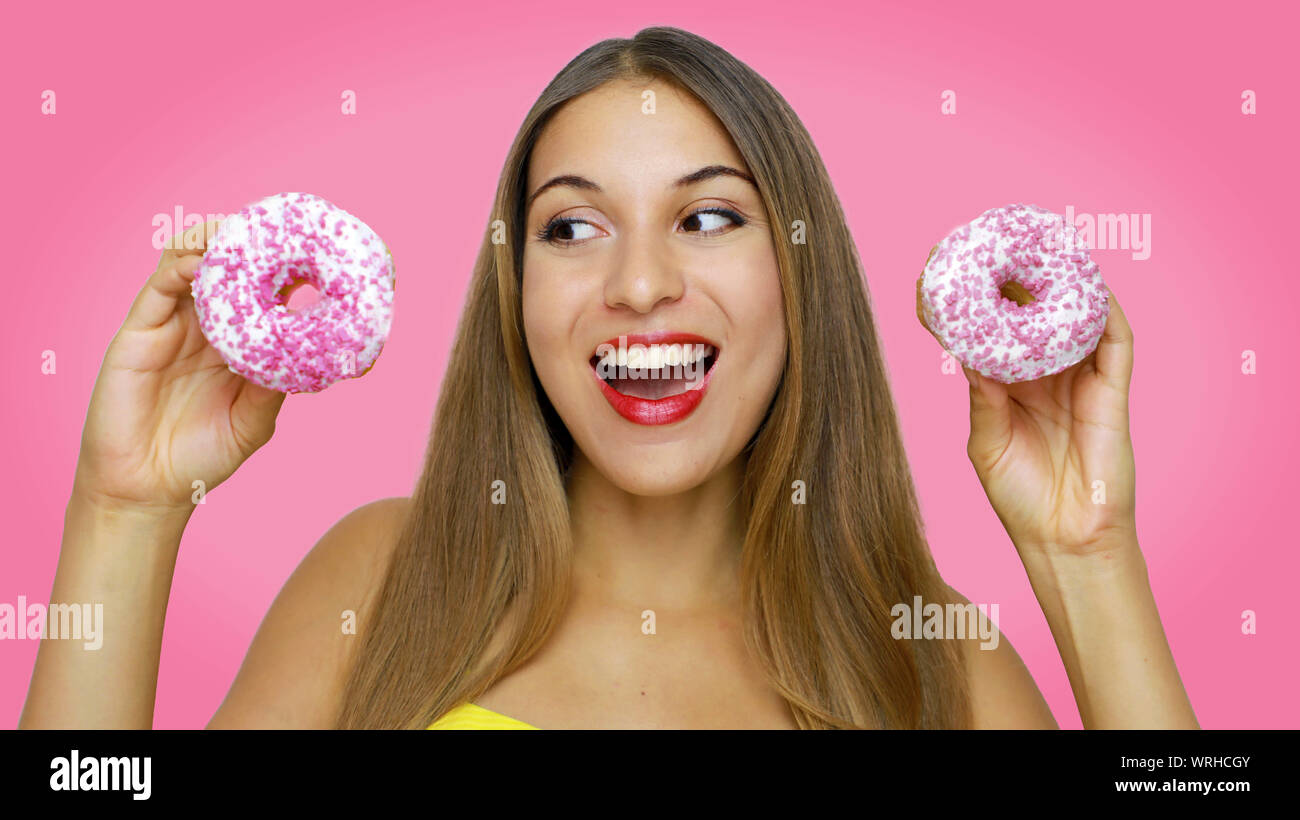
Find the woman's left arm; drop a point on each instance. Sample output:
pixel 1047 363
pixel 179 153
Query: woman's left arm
pixel 1056 461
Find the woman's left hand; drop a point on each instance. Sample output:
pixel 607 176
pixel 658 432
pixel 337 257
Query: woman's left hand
pixel 1054 454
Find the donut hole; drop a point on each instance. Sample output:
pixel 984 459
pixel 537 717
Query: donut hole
pixel 299 294
pixel 1014 291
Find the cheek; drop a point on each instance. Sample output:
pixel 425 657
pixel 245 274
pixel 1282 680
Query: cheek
pixel 539 332
pixel 751 296
pixel 549 313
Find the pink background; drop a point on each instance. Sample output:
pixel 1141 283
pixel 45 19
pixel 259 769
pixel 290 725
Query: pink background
pixel 1109 107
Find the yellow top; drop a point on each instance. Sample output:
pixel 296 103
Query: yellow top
pixel 473 716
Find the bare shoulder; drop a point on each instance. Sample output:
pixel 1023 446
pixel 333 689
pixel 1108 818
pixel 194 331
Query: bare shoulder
pixel 295 670
pixel 1003 693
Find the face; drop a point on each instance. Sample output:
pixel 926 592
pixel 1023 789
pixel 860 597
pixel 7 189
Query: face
pixel 635 259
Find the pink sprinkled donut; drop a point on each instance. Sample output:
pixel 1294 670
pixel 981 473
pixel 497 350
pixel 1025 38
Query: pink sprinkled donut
pixel 1013 295
pixel 256 255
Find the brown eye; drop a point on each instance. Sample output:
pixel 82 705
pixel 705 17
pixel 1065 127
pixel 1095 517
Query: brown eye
pixel 561 231
pixel 710 220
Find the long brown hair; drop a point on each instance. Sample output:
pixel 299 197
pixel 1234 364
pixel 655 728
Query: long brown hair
pixel 474 588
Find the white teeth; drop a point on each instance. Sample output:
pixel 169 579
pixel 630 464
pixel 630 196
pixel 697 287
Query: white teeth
pixel 655 357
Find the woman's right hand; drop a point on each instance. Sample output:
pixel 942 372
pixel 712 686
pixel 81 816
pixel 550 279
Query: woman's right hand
pixel 166 411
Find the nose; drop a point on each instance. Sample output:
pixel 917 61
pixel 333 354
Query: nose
pixel 643 276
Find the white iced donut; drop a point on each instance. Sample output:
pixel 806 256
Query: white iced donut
pixel 240 293
pixel 1013 294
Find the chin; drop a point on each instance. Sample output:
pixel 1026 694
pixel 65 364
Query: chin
pixel 653 469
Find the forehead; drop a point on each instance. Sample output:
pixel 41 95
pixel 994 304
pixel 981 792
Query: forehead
pixel 608 136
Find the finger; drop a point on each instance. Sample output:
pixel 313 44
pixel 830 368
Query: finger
pixel 990 417
pixel 1114 359
pixel 157 300
pixel 189 242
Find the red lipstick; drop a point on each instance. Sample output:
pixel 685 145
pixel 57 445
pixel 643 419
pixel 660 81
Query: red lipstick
pixel 657 411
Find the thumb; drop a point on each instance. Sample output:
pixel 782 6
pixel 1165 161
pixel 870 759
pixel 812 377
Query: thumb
pixel 990 418
pixel 254 412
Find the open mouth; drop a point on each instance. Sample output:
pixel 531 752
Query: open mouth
pixel 657 371
pixel 654 378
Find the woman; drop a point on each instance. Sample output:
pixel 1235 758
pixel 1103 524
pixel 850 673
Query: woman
pixel 585 549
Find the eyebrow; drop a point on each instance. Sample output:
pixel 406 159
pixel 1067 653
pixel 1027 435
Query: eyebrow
pixel 584 184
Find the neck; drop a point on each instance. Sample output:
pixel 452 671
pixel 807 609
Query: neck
pixel 678 551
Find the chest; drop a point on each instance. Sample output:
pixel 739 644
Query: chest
pixel 605 669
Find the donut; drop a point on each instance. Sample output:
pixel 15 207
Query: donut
pixel 1013 294
pixel 241 292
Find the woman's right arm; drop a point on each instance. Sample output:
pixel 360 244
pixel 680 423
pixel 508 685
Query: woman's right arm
pixel 165 413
